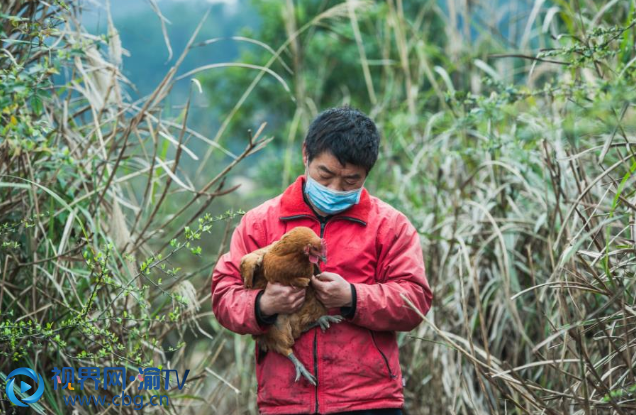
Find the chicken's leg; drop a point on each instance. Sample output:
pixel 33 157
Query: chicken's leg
pixel 279 339
pixel 300 369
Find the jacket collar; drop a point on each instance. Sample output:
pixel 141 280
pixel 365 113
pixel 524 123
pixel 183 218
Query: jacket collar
pixel 293 204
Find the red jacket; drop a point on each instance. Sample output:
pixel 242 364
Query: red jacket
pixel 371 245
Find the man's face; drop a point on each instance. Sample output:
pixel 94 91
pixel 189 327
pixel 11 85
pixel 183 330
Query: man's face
pixel 327 170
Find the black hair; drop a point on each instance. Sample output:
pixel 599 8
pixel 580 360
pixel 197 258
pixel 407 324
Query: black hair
pixel 347 133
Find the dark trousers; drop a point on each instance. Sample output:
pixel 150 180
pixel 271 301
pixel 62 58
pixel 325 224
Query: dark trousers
pixel 388 411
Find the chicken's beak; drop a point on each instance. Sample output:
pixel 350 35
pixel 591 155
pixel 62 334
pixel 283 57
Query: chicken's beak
pixel 323 251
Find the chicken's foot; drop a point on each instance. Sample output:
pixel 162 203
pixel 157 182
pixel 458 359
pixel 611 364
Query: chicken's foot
pixel 300 370
pixel 323 322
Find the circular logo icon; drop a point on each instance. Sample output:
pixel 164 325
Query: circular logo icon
pixel 24 386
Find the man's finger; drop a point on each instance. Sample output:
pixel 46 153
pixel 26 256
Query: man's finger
pixel 316 280
pixel 325 276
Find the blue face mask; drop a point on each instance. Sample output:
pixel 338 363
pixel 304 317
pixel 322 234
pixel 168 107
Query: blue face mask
pixel 328 200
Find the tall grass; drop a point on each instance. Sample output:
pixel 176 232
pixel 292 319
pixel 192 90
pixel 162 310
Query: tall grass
pixel 97 214
pixel 507 140
pixel 522 189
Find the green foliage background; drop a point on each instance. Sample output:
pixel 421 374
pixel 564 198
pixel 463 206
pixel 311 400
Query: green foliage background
pixel 508 134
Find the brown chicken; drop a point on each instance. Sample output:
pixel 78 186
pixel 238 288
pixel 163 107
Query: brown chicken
pixel 291 261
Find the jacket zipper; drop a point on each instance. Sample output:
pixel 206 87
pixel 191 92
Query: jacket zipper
pixel 323 223
pixel 386 361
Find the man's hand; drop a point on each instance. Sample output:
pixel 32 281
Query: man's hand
pixel 281 299
pixel 332 290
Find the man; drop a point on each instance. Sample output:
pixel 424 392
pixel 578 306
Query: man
pixel 373 257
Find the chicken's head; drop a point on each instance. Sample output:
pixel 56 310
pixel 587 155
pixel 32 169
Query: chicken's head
pixel 305 239
pixel 316 251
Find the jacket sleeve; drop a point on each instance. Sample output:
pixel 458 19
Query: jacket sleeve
pixel 232 303
pixel 400 269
